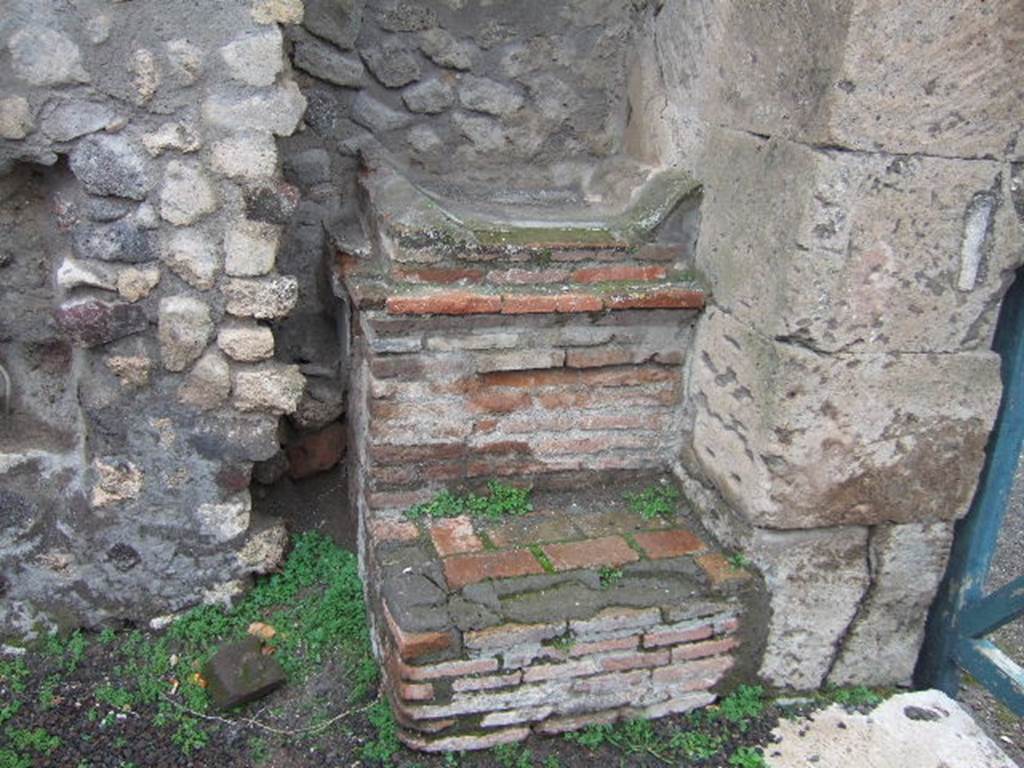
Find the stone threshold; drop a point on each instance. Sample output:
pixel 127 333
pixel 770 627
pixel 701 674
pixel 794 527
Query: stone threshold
pixel 581 611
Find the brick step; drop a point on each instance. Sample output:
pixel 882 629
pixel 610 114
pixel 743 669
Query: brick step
pixel 580 611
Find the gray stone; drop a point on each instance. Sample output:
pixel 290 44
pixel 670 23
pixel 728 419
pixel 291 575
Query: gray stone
pixel 309 167
pixel 15 118
pixel 270 388
pixel 250 248
pixel 276 11
pixel 44 56
pixel 208 384
pixel 337 21
pixel 433 95
pixel 264 551
pixel 135 284
pixel 77 274
pixel 181 137
pixel 120 241
pixel 239 672
pixel 798 439
pixel 187 194
pixel 321 403
pixel 184 331
pixel 193 257
pixel 256 58
pixel 484 95
pixel 106 209
pixel 485 132
pixel 236 436
pixel 186 61
pixel 248 156
pixel 270 471
pixel 392 63
pixel 110 165
pixel 913 730
pixel 907 564
pixel 377 116
pixel 444 50
pixel 145 75
pixel 246 342
pixel 272 203
pixel 92 323
pixel 263 298
pixel 816 581
pixel 406 17
pixel 327 63
pixel 424 139
pixel 70 119
pixel 276 111
pixel 829 268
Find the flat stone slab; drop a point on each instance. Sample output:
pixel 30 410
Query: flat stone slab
pixel 240 672
pixel 925 729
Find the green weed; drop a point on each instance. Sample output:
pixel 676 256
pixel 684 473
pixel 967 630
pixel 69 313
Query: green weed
pixel 591 737
pixel 656 501
pixel 542 558
pixel 740 706
pixel 32 740
pixel 502 499
pixel 383 748
pixel 857 696
pixel 696 745
pixel 513 756
pixel 738 560
pixel 609 576
pixel 747 757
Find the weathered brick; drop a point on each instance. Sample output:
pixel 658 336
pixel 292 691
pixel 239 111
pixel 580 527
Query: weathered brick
pixel 487 683
pixel 615 620
pixel 556 725
pixel 499 402
pixel 463 743
pixel 618 272
pixel 684 632
pixel 675 706
pixel 658 252
pixel 701 650
pixel 519 304
pixel 515 716
pixel 415 691
pixel 726 625
pixel 661 544
pixel 406 367
pixel 458 669
pixel 608 550
pixel 439 275
pixel 693 675
pixel 412 645
pixel 454 535
pixel 522 360
pixel 623 662
pixel 527 276
pixel 523 655
pixel 599 357
pixel 461 570
pixel 560 671
pixel 403 454
pixel 602 646
pixel 449 303
pixel 665 298
pixel 511 635
pixel 479 341
pixel 612 439
pixel 719 570
pixel 624 376
pixel 613 682
pixel 389 529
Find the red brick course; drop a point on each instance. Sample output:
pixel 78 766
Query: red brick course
pixel 591 553
pixel 412 645
pixel 450 303
pixel 621 272
pixel 666 298
pixel 454 535
pixel 661 544
pixel 719 570
pixel 461 570
pixel 701 650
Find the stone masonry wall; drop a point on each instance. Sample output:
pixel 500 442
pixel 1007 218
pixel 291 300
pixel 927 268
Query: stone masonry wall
pixel 862 220
pixel 143 207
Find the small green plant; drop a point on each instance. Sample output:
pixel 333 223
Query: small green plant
pixel 501 499
pixel 591 737
pixel 564 643
pixel 552 761
pixel 118 698
pixel 513 756
pixel 32 740
pixel 386 745
pixel 636 736
pixel 696 745
pixel 47 691
pixel 747 757
pixel 746 702
pixel 738 560
pixel 609 576
pixel 656 501
pixel 107 636
pixel 857 696
pixel 542 558
pixel 452 759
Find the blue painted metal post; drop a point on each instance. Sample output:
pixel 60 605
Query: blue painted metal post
pixel 961 614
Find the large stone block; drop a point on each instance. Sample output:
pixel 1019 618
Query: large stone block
pixel 907 564
pixel 938 77
pixel 798 439
pixel 816 580
pixel 858 252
